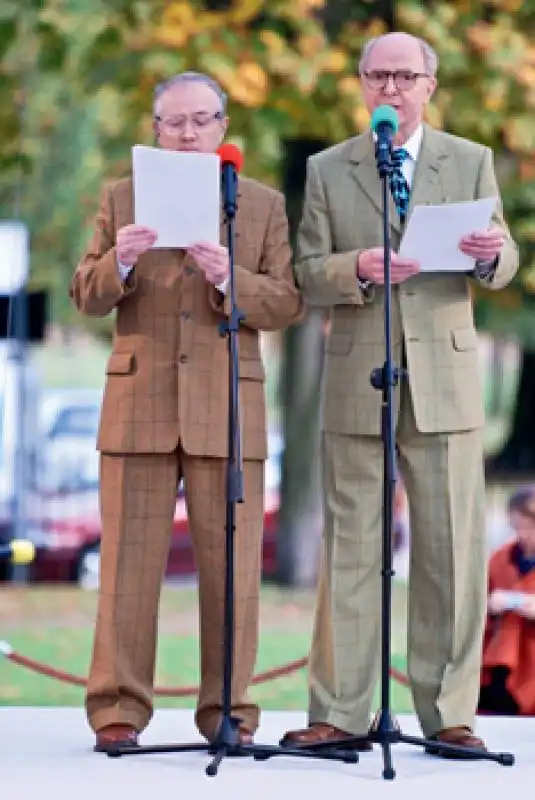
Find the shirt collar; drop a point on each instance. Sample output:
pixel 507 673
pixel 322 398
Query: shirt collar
pixel 414 143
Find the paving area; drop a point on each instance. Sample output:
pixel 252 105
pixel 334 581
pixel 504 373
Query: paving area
pixel 46 752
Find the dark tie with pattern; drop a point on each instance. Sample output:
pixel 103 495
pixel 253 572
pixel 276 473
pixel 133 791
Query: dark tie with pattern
pixel 398 185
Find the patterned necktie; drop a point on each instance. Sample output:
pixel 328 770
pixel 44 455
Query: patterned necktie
pixel 398 185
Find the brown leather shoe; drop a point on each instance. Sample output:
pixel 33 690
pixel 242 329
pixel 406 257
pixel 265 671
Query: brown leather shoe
pixel 115 736
pixel 322 733
pixel 244 734
pixel 462 736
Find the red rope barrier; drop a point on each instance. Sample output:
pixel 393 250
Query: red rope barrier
pixel 164 691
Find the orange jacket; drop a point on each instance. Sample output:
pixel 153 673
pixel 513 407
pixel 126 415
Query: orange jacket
pixel 509 639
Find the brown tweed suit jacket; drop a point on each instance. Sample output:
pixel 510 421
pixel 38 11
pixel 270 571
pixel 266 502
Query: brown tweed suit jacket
pixel 432 313
pixel 167 377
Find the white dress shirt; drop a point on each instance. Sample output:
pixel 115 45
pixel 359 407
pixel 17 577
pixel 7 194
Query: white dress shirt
pixel 412 146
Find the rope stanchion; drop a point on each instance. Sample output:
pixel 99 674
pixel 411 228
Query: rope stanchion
pixel 164 691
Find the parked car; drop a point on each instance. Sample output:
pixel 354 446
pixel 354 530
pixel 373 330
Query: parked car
pixel 69 424
pixel 20 442
pixel 68 546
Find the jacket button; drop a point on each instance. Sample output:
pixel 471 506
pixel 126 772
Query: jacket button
pixel 183 359
pixel 189 270
pixel 185 315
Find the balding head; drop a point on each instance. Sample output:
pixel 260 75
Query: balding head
pixel 405 42
pixel 398 69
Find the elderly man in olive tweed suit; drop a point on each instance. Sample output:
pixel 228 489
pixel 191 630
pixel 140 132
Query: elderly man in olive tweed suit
pixel 438 410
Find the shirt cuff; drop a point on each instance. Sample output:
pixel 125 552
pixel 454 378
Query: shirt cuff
pixel 485 269
pixel 365 286
pixel 124 270
pixel 222 287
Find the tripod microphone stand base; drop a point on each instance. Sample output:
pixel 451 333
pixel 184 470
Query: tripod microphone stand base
pixel 227 745
pixel 386 732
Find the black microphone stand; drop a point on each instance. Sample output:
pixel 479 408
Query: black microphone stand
pixel 227 740
pixel 385 730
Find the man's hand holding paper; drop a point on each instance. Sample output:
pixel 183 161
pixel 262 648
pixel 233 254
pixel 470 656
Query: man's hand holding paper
pixel 213 260
pixel 132 242
pixel 370 266
pixel 483 245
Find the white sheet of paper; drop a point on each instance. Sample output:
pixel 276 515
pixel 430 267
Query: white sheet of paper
pixel 177 194
pixel 433 233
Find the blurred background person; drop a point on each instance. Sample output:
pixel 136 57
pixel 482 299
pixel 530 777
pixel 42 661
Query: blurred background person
pixel 508 675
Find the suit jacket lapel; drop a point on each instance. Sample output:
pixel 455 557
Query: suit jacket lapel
pixel 364 170
pixel 427 186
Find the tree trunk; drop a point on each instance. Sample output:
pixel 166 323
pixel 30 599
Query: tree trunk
pixel 301 522
pixel 300 391
pixel 518 454
pixel 300 527
pixel 337 13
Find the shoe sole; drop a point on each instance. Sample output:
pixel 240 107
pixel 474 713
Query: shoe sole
pixel 337 744
pixel 105 748
pixel 455 756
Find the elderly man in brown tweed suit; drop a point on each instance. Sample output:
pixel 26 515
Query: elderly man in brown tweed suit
pixel 438 411
pixel 164 417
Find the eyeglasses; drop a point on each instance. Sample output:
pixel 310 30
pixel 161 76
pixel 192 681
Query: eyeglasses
pixel 199 121
pixel 403 79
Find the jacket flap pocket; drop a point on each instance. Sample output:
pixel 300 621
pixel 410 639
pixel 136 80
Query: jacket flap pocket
pixel 252 369
pixel 339 343
pixel 120 364
pixel 464 339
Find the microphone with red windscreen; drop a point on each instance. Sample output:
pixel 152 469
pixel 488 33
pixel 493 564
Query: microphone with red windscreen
pixel 231 163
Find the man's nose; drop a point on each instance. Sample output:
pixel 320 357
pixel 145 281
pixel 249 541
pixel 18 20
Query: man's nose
pixel 188 131
pixel 390 86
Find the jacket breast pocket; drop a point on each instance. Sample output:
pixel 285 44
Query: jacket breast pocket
pixel 339 343
pixel 252 369
pixel 121 364
pixel 464 339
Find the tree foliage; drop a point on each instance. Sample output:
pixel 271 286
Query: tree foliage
pixel 283 76
pixel 487 93
pixel 81 75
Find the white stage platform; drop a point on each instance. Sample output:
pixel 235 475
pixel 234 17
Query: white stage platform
pixel 48 753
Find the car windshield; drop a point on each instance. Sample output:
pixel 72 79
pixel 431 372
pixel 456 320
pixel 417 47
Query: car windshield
pixel 77 421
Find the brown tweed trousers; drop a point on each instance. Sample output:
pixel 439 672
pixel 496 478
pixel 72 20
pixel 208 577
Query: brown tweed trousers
pixel 164 417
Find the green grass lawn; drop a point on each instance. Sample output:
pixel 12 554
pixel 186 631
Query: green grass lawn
pixel 55 626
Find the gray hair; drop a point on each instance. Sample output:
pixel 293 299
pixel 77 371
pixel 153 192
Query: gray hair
pixel 187 77
pixel 429 55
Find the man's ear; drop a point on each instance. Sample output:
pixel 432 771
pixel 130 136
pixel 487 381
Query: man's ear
pixel 431 89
